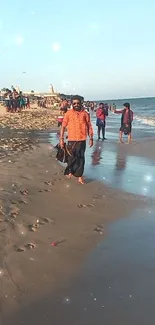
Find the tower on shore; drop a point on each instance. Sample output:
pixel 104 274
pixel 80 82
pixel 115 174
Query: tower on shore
pixel 52 89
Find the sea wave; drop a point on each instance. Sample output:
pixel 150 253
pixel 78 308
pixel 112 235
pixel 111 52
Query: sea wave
pixel 146 120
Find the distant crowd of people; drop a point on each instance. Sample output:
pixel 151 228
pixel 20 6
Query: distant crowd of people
pixel 66 105
pixel 15 101
pixel 48 102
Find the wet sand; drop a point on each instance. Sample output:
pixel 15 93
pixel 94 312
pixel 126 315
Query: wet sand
pixel 65 212
pixel 116 282
pixel 129 168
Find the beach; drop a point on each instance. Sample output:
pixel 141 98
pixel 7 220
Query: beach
pixel 77 163
pixel 40 271
pixel 51 226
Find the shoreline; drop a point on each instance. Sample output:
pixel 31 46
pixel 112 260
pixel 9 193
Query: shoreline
pixel 42 271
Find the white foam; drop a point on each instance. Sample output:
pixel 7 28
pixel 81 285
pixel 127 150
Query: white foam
pixel 146 120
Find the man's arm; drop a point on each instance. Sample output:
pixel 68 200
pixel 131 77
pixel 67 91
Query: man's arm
pixel 118 111
pixel 62 131
pixel 106 113
pixel 90 130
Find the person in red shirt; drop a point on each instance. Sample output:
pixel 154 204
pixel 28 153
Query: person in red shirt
pixel 77 122
pixel 63 110
pixel 101 114
pixel 126 122
pixel 64 106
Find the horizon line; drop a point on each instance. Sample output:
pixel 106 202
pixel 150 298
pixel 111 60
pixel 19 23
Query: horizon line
pixel 130 98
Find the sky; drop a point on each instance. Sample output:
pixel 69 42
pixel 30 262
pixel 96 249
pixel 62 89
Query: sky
pixel 98 49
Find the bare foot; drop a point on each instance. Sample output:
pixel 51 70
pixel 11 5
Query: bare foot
pixel 121 141
pixel 81 180
pixel 69 175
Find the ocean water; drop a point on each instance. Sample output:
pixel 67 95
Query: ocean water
pixel 143 108
pixel 144 118
pixel 109 163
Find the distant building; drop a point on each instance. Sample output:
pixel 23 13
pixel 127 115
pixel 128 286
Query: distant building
pixel 51 93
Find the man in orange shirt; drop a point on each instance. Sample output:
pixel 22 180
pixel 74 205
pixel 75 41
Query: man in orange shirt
pixel 77 122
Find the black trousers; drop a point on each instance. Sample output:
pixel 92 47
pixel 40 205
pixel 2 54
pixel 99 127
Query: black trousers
pixel 101 128
pixel 76 160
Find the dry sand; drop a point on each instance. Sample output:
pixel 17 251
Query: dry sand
pixel 34 191
pixel 18 130
pixel 2 110
pixel 29 119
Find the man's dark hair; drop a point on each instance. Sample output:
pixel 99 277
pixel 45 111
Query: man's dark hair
pixel 101 104
pixel 127 105
pixel 76 97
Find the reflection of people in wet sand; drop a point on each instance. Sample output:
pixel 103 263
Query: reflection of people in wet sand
pixel 126 122
pixel 96 155
pixel 119 168
pixel 120 161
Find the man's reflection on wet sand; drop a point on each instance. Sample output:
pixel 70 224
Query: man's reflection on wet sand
pixel 97 153
pixel 119 168
pixel 120 162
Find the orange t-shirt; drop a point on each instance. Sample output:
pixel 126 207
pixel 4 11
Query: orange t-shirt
pixel 78 125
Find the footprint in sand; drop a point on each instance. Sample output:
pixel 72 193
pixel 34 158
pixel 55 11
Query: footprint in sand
pixel 40 222
pixel 47 190
pixel 21 249
pixel 99 229
pixel 49 183
pixel 14 212
pixel 30 246
pixel 86 206
pixel 24 192
pixel 25 247
pixel 33 227
pixel 18 201
pixel 43 221
pixel 98 197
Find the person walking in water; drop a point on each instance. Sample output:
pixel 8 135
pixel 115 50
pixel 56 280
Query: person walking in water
pixel 78 124
pixel 101 114
pixel 126 122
